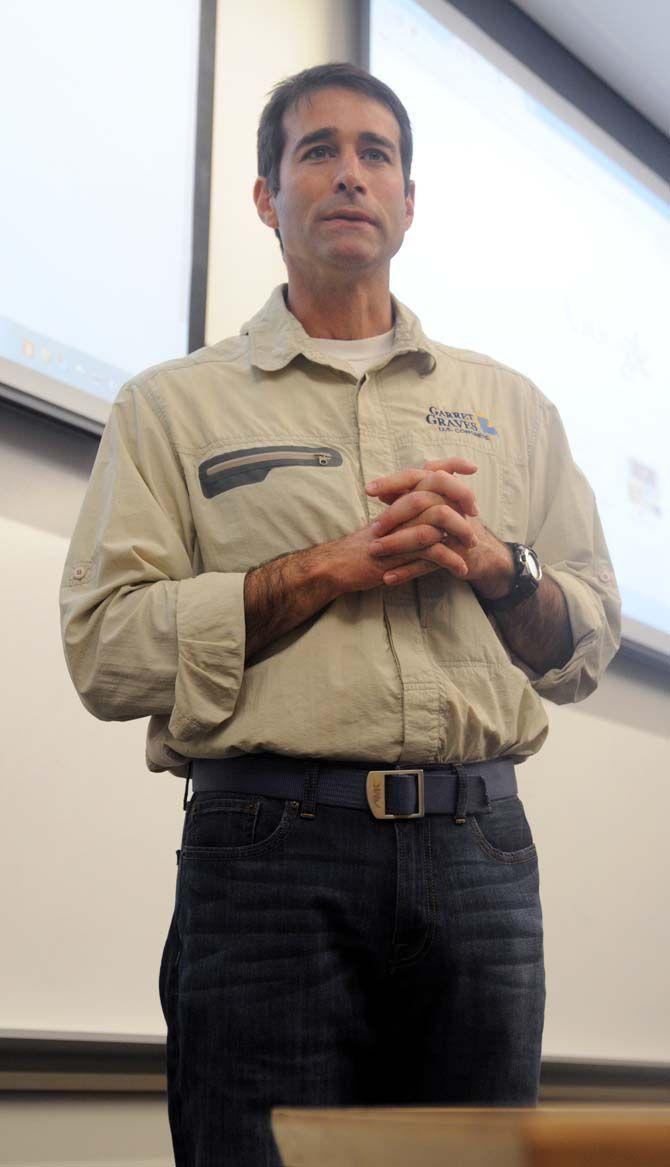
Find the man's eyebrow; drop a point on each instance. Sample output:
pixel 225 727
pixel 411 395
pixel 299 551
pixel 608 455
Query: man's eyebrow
pixel 330 132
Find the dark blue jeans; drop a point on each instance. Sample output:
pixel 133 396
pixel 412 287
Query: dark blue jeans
pixel 346 961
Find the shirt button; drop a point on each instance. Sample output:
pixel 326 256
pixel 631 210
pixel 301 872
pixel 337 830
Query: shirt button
pixel 79 572
pixel 605 576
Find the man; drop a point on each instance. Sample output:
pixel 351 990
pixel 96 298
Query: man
pixel 320 551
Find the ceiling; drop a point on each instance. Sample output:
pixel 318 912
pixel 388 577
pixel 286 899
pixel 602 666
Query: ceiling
pixel 625 42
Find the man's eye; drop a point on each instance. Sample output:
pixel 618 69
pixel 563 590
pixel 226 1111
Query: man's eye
pixel 370 150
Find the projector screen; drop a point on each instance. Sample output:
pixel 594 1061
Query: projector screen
pixel 542 243
pixel 97 168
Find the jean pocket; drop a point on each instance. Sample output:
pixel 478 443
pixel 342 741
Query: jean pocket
pixel 219 826
pixel 503 833
pixel 168 968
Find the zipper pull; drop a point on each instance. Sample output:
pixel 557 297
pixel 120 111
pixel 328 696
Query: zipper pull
pixel 323 459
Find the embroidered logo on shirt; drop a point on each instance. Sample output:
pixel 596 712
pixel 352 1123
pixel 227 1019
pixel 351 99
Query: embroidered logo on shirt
pixel 458 421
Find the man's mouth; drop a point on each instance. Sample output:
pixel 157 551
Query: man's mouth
pixel 344 218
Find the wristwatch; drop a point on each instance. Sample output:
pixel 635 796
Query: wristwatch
pixel 527 576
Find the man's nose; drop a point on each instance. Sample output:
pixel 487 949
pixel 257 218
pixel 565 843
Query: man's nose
pixel 348 175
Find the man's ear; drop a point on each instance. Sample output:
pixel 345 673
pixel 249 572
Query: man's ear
pixel 265 203
pixel 409 203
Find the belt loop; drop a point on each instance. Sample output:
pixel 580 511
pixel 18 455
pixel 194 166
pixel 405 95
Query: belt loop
pixel 487 808
pixel 308 810
pixel 462 796
pixel 188 779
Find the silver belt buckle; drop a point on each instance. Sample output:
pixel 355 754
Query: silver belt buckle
pixel 375 792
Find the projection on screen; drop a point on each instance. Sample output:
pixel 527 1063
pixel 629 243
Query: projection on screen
pixel 535 247
pixel 97 171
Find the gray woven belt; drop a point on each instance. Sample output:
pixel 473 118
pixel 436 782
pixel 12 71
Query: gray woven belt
pixel 462 789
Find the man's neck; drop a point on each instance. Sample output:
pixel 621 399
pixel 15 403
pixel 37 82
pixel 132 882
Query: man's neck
pixel 339 311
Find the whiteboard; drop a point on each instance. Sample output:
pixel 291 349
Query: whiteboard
pixel 544 244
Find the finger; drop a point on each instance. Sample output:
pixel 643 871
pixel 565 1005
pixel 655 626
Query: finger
pixel 402 574
pixel 451 522
pixel 389 498
pixel 452 488
pixel 407 479
pixel 398 483
pixel 452 465
pixel 403 510
pixel 406 541
pixel 429 528
pixel 449 561
pixel 448 558
pixel 410 506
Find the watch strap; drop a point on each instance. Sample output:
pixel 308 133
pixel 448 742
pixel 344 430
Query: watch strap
pixel 524 585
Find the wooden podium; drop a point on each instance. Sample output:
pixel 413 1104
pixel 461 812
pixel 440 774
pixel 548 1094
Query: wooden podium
pixel 544 1136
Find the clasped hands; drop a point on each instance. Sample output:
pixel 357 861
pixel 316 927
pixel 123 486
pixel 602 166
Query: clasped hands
pixel 433 514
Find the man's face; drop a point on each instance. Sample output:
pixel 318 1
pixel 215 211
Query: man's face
pixel 350 165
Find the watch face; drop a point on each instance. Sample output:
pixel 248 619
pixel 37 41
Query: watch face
pixel 532 563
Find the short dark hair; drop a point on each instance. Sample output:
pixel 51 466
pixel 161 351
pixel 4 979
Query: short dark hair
pixel 286 95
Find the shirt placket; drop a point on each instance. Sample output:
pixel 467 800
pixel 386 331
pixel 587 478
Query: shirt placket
pixel 417 677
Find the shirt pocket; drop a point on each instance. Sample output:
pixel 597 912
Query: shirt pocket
pixel 254 503
pixel 225 472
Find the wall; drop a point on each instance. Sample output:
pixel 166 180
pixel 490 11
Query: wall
pixel 90 834
pixel 245 260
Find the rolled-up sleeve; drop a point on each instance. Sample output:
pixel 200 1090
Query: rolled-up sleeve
pixel 567 535
pixel 143 634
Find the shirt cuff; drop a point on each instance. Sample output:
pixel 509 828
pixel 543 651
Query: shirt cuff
pixel 580 674
pixel 211 636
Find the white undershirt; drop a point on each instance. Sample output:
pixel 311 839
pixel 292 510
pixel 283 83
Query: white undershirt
pixel 360 354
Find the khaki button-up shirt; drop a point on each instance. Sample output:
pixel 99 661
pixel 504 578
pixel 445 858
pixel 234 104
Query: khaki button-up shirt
pixel 260 445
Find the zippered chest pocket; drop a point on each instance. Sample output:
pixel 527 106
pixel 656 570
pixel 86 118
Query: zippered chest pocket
pixel 243 467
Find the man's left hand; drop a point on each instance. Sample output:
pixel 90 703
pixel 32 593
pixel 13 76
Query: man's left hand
pixel 489 563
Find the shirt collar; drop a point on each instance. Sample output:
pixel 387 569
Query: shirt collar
pixel 276 336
